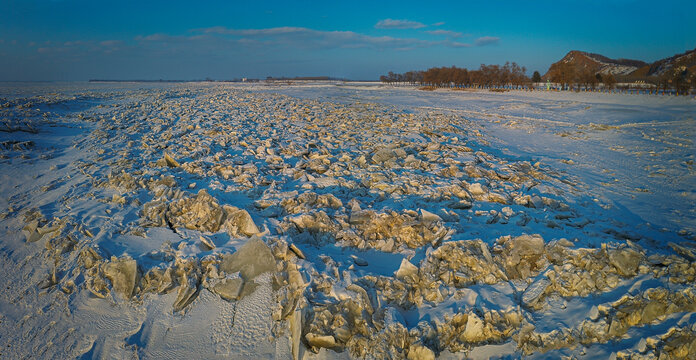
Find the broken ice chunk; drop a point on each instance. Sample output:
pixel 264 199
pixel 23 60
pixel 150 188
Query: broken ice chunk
pixel 625 261
pixel 239 222
pixel 406 270
pixel 207 243
pixel 535 291
pixel 428 217
pixel 358 261
pixel 170 161
pixel 297 251
pixel 476 189
pixel 229 289
pixel 188 291
pixel 383 155
pixel 122 273
pixel 474 329
pixel 320 341
pixel 31 233
pixel 252 259
pixel 420 352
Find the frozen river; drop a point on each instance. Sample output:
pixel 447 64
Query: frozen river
pixel 636 152
pixel 317 221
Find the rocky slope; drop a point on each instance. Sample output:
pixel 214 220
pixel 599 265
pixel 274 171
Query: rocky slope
pixel 685 60
pixel 630 69
pixel 595 63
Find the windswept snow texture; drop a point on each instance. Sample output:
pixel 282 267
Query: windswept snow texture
pixel 331 220
pixel 630 151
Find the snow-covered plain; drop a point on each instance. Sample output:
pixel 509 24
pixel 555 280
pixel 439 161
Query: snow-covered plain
pixel 311 221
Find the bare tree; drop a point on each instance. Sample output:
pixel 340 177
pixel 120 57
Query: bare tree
pixel 680 77
pixel 562 73
pixel 487 75
pixel 588 79
pixel 609 81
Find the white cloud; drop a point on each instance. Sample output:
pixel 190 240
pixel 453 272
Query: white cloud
pixel 256 32
pixel 155 37
pixel 398 24
pixel 439 23
pixel 111 43
pixel 77 48
pixel 487 40
pixel 300 37
pixel 458 44
pixel 74 43
pixel 304 38
pixel 220 42
pixel 449 33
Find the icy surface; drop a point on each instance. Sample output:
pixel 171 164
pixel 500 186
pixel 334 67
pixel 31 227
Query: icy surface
pixel 344 221
pixel 631 151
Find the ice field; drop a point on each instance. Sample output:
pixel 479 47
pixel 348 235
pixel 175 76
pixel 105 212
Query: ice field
pixel 349 220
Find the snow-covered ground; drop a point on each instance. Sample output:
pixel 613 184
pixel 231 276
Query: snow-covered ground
pixel 634 151
pixel 323 220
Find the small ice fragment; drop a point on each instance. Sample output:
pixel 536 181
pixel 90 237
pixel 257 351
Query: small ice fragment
pixel 428 217
pixel 297 251
pixel 535 291
pixel 170 161
pixel 229 289
pixel 420 352
pixel 251 260
pixel 476 189
pixel 320 341
pixel 122 274
pixel 594 313
pixel 205 241
pixel 407 269
pixel 358 261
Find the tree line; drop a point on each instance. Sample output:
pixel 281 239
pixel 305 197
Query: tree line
pixel 678 78
pixel 486 75
pixel 567 75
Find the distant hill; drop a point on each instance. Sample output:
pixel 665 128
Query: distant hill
pixel 596 63
pixel 659 67
pixel 624 69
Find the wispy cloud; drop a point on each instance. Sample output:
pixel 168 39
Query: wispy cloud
pixel 222 45
pixel 398 24
pixel 256 32
pixel 111 43
pixel 458 44
pixel 439 23
pixel 76 47
pixel 222 41
pixel 306 38
pixel 161 37
pixel 301 37
pixel 449 33
pixel 487 40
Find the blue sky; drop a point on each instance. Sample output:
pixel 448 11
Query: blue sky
pixel 80 40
